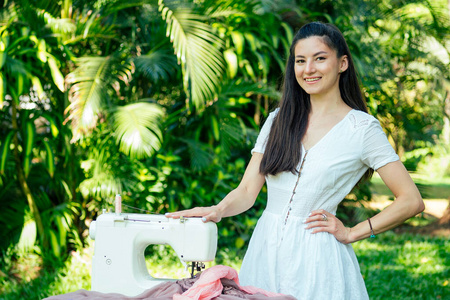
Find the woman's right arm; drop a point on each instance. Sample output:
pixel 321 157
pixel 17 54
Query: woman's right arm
pixel 237 201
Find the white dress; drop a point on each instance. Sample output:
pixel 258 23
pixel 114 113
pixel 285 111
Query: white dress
pixel 282 256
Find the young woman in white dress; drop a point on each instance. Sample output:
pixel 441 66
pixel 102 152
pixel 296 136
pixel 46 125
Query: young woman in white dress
pixel 312 150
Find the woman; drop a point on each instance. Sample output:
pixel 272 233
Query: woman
pixel 311 152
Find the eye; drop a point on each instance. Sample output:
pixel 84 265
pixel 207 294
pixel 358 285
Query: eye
pixel 320 58
pixel 300 61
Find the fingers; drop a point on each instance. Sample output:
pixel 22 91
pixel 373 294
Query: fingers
pixel 319 217
pixel 208 214
pixel 194 212
pixel 321 213
pixel 322 221
pixel 318 226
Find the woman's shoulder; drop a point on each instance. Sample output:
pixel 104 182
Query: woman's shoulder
pixel 360 119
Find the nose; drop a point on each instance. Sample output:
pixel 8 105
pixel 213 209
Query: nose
pixel 310 67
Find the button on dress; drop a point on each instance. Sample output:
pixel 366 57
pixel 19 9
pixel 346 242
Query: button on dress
pixel 285 258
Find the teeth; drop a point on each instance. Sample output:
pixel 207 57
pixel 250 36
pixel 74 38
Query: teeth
pixel 311 79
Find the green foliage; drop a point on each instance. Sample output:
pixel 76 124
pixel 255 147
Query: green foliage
pixel 404 77
pixel 162 102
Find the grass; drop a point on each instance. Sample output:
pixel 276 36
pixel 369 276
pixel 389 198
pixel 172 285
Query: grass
pixel 405 266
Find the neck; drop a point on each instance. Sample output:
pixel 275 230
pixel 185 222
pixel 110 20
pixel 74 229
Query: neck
pixel 326 105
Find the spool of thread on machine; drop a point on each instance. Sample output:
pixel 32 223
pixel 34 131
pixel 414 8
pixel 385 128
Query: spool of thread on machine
pixel 118 204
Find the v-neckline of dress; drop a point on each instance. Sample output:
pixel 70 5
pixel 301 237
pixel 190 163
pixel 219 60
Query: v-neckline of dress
pixel 328 133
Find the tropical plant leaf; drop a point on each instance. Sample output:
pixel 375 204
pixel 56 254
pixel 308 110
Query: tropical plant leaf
pixel 88 90
pixel 2 89
pixel 59 26
pixel 53 126
pixel 5 151
pixel 50 158
pixel 201 155
pixel 4 41
pixel 29 143
pixel 137 128
pixel 232 62
pixel 101 185
pixel 239 88
pixel 197 49
pixel 58 78
pixel 157 65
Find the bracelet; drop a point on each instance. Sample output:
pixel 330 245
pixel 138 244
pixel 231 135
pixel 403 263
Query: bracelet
pixel 370 224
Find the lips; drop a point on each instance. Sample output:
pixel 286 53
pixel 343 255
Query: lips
pixel 312 79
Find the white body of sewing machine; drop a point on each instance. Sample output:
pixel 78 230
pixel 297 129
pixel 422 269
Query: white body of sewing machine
pixel 118 264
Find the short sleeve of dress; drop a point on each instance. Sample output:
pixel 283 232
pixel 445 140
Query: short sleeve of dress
pixel 376 149
pixel 261 141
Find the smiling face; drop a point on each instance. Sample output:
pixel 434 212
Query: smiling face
pixel 317 67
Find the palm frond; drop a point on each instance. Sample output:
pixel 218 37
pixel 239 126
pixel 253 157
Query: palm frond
pixel 86 93
pixel 239 88
pixel 197 49
pixel 201 155
pixel 137 128
pixel 156 65
pixel 102 185
pixel 233 132
pixel 90 26
pixel 59 26
pixel 90 83
pixel 103 179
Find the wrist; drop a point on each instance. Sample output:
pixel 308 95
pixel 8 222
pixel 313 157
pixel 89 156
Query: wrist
pixel 350 236
pixel 219 209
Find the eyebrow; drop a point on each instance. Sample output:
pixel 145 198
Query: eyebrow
pixel 318 53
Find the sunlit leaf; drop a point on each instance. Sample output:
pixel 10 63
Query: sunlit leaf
pixel 53 127
pixel 137 128
pixel 86 93
pixel 232 62
pixel 239 41
pixel 58 78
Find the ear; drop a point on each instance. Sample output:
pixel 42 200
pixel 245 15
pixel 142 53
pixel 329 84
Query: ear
pixel 343 64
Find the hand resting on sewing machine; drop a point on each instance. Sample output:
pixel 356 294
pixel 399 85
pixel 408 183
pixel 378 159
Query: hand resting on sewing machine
pixel 209 213
pixel 237 201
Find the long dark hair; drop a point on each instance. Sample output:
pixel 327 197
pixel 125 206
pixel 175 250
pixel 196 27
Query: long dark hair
pixel 283 149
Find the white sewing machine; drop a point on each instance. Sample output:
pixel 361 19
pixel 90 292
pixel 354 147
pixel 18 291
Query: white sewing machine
pixel 118 264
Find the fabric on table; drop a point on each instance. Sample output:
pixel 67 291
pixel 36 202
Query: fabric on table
pixel 163 291
pixel 209 285
pixel 285 258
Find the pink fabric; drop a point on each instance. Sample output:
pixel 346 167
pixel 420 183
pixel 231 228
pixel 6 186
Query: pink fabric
pixel 209 285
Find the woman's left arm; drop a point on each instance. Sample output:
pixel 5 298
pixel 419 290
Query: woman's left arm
pixel 407 203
